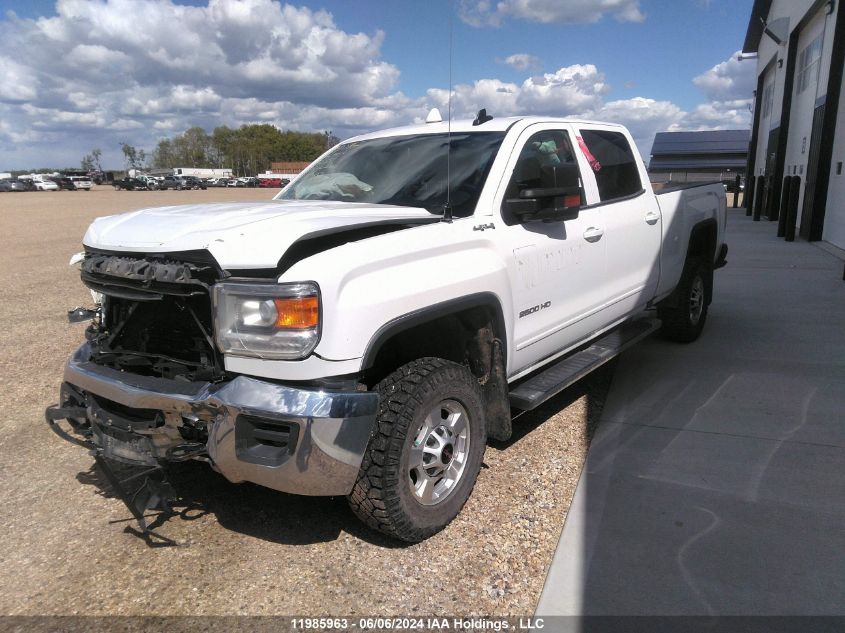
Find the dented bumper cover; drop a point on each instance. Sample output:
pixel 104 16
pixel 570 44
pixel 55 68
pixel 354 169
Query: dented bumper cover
pixel 292 439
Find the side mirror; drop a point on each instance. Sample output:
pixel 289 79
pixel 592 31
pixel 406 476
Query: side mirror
pixel 557 198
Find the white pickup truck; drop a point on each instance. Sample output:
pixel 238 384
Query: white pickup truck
pixel 366 331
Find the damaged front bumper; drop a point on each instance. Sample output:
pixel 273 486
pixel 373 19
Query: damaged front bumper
pixel 292 439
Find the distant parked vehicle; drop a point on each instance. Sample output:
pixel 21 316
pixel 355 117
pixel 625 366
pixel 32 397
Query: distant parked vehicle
pixel 13 185
pixel 64 182
pixel 234 182
pixel 202 172
pixel 192 182
pixel 273 183
pixel 45 185
pixel 150 182
pixel 81 183
pixel 130 184
pixel 171 182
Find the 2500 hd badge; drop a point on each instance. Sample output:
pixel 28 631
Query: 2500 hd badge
pixel 536 308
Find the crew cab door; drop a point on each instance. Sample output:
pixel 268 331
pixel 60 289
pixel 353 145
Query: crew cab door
pixel 632 219
pixel 555 267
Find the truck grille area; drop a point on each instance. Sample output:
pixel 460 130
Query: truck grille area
pixel 156 316
pixel 154 275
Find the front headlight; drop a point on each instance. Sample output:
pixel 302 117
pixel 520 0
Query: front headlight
pixel 275 321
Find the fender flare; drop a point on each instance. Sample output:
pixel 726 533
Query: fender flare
pixel 698 227
pixel 429 313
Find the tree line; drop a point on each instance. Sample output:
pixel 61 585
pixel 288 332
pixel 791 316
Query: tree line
pixel 248 150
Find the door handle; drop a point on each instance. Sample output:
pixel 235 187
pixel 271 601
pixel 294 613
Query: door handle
pixel 593 234
pixel 651 217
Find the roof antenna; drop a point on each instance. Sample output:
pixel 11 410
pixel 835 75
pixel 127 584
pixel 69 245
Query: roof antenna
pixel 447 208
pixel 482 117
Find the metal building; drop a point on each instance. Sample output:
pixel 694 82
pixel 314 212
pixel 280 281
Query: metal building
pixel 798 134
pixel 699 156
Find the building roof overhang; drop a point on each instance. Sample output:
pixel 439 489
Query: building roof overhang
pixel 756 24
pixel 681 163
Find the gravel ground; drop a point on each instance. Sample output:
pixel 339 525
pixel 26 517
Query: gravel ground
pixel 67 547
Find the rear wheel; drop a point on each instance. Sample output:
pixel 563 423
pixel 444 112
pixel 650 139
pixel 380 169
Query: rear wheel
pixel 683 321
pixel 425 451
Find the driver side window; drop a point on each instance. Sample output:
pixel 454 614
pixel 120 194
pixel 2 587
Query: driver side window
pixel 546 148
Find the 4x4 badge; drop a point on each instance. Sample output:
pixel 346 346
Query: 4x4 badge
pixel 483 227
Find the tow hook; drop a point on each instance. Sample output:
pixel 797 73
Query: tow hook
pixel 80 314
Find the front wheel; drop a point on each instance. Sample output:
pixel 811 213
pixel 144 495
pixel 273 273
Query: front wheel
pixel 683 321
pixel 425 452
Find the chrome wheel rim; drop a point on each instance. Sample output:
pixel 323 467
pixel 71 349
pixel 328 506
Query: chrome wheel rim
pixel 696 300
pixel 439 453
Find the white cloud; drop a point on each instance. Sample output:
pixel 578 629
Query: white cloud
pixel 18 85
pixel 569 90
pixel 643 117
pixel 522 61
pixel 238 48
pixel 720 115
pixel 486 13
pixel 729 80
pixel 573 88
pixel 728 86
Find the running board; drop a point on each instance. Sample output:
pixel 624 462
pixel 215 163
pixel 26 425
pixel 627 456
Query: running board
pixel 570 369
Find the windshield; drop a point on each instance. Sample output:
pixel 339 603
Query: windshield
pixel 403 170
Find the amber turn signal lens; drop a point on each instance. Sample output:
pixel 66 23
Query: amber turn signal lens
pixel 297 313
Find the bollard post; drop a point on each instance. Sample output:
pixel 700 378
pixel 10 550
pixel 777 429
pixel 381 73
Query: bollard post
pixel 749 194
pixel 736 191
pixel 784 206
pixel 773 210
pixel 792 212
pixel 758 202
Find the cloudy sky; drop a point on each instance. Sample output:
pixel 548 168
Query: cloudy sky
pixel 80 74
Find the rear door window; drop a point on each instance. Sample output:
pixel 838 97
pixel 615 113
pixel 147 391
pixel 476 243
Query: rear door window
pixel 613 162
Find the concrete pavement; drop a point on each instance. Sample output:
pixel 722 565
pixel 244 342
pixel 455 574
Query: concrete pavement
pixel 715 483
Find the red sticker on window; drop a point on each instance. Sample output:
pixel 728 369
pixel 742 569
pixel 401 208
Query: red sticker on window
pixel 594 163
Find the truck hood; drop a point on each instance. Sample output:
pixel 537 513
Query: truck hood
pixel 239 235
